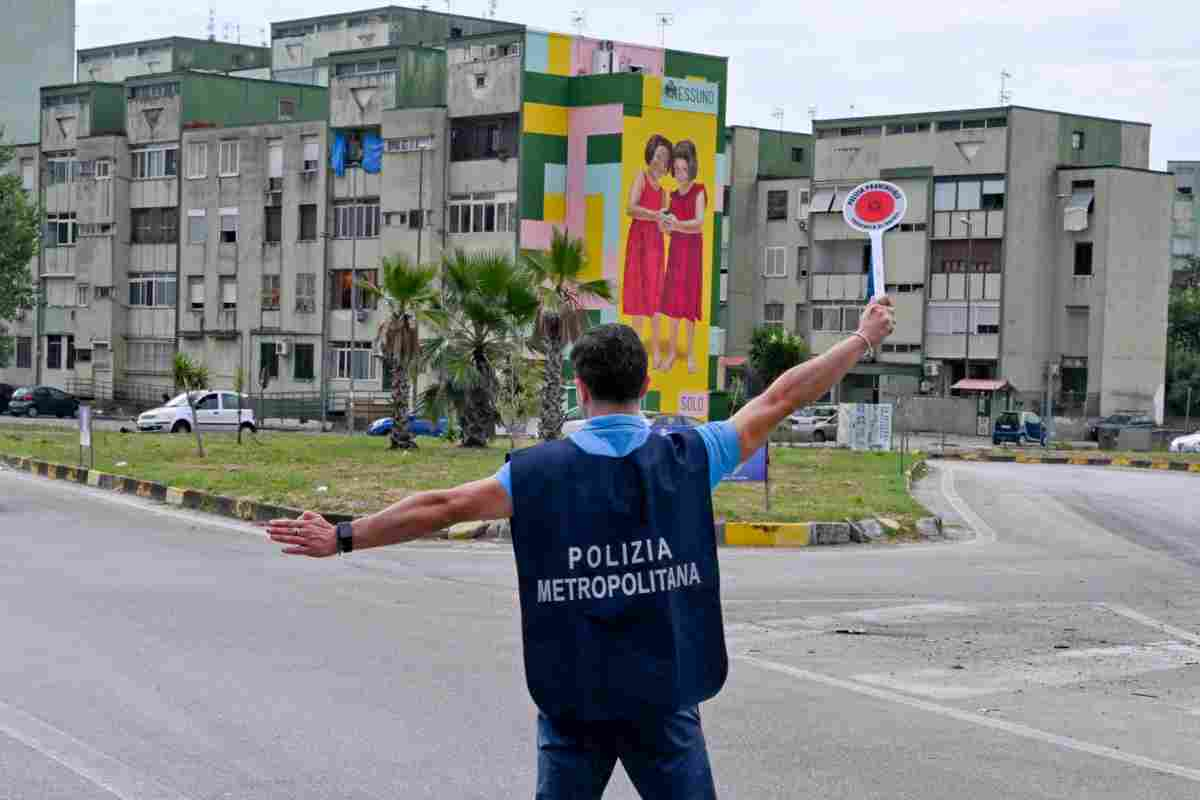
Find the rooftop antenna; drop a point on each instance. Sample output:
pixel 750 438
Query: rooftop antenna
pixel 212 21
pixel 262 31
pixel 664 19
pixel 1005 94
pixel 777 115
pixel 812 117
pixel 491 9
pixel 579 21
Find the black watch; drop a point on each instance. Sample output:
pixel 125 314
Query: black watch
pixel 345 537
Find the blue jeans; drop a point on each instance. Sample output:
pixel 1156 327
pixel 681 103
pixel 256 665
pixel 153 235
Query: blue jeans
pixel 665 757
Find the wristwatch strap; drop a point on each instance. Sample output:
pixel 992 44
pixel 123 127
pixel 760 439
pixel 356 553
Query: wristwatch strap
pixel 345 537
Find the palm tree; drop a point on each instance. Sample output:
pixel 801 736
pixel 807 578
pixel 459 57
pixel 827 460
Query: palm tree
pixel 561 316
pixel 488 301
pixel 191 376
pixel 408 291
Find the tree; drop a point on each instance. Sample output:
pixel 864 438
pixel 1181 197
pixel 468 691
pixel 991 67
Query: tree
pixel 561 319
pixel 408 291
pixel 773 351
pixel 518 398
pixel 487 303
pixel 19 223
pixel 192 377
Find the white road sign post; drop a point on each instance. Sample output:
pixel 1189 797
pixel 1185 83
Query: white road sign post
pixel 873 208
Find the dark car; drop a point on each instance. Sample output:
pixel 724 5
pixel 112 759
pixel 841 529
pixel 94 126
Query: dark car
pixel 1019 427
pixel 33 401
pixel 669 423
pixel 6 391
pixel 1119 420
pixel 416 426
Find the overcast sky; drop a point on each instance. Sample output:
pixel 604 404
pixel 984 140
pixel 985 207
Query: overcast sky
pixel 1134 61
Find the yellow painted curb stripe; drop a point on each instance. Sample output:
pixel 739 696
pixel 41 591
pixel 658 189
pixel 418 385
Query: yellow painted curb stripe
pixel 1160 465
pixel 1079 461
pixel 94 478
pixel 749 534
pixel 1120 462
pixel 1194 468
pixel 792 536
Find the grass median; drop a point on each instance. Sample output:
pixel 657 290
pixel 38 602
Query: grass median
pixel 358 474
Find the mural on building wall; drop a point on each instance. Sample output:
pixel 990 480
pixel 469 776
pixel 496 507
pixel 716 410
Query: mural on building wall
pixel 621 147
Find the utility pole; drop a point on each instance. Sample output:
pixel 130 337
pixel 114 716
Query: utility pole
pixel 970 272
pixel 354 228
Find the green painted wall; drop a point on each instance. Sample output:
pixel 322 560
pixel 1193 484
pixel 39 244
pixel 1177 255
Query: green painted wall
pixel 538 150
pixel 775 154
pixel 413 26
pixel 549 89
pixel 222 101
pixel 1101 141
pixel 108 109
pixel 678 64
pixel 220 56
pixel 603 90
pixel 604 148
pixel 421 78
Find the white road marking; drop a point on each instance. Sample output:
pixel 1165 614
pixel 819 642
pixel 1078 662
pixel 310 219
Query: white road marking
pixel 982 720
pixel 106 772
pixel 984 533
pixel 1060 669
pixel 1150 622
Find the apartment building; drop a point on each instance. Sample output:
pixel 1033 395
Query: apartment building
pixel 1034 249
pixel 115 63
pixel 1185 212
pixel 38 42
pixel 765 265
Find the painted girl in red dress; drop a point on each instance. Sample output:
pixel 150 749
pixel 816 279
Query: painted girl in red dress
pixel 684 281
pixel 645 254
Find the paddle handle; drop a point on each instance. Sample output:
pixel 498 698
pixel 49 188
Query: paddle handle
pixel 877 278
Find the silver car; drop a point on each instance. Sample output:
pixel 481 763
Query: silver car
pixel 816 423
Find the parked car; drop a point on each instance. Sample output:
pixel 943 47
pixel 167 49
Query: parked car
pixel 669 423
pixel 1019 427
pixel 1186 444
pixel 1121 419
pixel 6 393
pixel 32 401
pixel 416 426
pixel 216 410
pixel 818 427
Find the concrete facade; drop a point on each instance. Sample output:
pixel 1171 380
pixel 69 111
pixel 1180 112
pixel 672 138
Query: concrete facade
pixel 1185 212
pixel 159 56
pixel 1054 211
pixel 38 42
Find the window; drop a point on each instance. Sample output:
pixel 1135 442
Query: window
pixel 103 292
pixel 476 139
pixel 907 127
pixel 306 292
pixel 196 293
pixel 993 194
pixel 949 125
pixel 836 319
pixel 312 153
pixel 356 220
pixel 798 155
pixel 61 170
pixel 155 90
pixel 308 222
pixel 915 226
pixel 82 294
pixel 268 360
pixel 775 265
pixel 481 215
pixel 145 356
pixel 154 225
pixel 345 360
pixel 348 292
pixel 103 169
pixel 302 362
pixel 230 158
pixel 152 289
pixel 968 194
pixel 229 294
pixel 287 108
pixel 416 218
pixel 53 352
pixel 409 144
pixel 1182 247
pixel 270 292
pixel 229 225
pixel 60 230
pixel 274 224
pixel 773 314
pixel 802 260
pixel 155 162
pixel 777 204
pixel 197 160
pixel 480 80
pixel 1083 258
pixel 70 348
pixel 197 226
pixel 28 175
pixel 1077 140
pixel 210 402
pixel 24 352
pixel 275 158
pixel 973 124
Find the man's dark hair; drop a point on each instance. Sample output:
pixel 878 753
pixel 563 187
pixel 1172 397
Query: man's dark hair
pixel 611 362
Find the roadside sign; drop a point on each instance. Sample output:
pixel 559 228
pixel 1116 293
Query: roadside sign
pixel 873 208
pixel 85 426
pixel 865 426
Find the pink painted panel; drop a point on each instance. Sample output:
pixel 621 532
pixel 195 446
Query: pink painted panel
pixel 652 59
pixel 536 234
pixel 582 123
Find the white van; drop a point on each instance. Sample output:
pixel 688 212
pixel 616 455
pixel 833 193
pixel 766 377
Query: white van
pixel 216 410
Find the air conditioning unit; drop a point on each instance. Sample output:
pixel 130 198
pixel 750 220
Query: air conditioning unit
pixel 19 315
pixel 274 199
pixel 602 60
pixel 932 368
pixel 926 387
pixel 281 349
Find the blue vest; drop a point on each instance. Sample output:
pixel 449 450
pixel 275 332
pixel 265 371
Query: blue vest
pixel 619 585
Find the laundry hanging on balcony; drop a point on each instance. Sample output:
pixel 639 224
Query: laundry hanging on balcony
pixel 372 156
pixel 337 159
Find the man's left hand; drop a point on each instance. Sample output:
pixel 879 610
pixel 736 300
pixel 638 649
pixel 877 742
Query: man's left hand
pixel 310 535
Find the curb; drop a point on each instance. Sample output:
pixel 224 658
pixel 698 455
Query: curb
pixel 1078 461
pixel 239 508
pixel 729 534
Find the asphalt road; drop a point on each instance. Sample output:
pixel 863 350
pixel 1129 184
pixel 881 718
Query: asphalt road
pixel 1051 651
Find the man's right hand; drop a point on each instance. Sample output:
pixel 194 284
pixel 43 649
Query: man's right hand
pixel 878 321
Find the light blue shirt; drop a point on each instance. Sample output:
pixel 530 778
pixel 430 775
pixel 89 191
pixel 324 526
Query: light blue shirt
pixel 618 435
